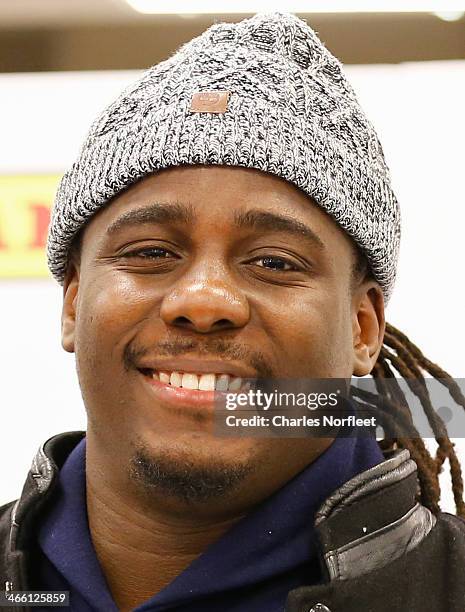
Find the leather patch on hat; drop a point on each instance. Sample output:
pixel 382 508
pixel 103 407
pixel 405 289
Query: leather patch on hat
pixel 209 101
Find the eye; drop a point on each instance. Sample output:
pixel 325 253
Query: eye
pixel 149 253
pixel 276 263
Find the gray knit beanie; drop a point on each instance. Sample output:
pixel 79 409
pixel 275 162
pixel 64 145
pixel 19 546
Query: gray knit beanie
pixel 263 93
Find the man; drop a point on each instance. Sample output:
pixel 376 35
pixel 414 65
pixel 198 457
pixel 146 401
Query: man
pixel 230 217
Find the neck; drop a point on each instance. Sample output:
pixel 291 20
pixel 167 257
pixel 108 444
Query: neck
pixel 142 553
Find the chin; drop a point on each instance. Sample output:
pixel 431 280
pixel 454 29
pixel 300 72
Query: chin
pixel 192 468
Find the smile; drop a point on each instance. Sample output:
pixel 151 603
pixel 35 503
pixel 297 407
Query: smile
pixel 193 389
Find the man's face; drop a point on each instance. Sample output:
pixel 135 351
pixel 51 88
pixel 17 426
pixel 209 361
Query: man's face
pixel 207 270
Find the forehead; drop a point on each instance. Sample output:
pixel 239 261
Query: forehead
pixel 214 198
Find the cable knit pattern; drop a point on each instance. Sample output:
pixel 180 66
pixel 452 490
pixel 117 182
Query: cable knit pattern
pixel 291 112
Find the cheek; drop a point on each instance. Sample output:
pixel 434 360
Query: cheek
pixel 110 310
pixel 312 333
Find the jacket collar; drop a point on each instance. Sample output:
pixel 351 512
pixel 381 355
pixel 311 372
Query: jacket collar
pixel 373 518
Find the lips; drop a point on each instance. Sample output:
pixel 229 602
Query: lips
pixel 194 384
pixel 194 401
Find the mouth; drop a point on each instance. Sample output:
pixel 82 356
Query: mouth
pixel 193 389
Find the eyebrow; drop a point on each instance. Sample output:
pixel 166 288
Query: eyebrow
pixel 268 221
pixel 159 212
pixel 176 212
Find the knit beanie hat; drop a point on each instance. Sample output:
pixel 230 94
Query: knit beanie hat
pixel 263 93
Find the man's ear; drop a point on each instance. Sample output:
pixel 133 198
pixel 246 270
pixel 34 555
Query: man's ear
pixel 70 298
pixel 368 325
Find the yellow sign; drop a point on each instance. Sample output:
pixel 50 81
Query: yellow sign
pixel 25 206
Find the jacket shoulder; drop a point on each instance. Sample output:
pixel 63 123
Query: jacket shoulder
pixel 429 576
pixel 18 518
pixel 382 550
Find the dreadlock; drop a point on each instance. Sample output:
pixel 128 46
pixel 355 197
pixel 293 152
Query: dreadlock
pixel 399 354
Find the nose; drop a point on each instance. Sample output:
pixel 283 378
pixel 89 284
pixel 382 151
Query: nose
pixel 205 302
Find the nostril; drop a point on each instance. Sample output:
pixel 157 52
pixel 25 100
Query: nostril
pixel 183 321
pixel 223 323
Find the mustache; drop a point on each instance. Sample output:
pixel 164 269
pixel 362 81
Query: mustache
pixel 213 347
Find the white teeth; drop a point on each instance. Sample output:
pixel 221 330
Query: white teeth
pixel 176 379
pixel 190 381
pixel 207 382
pixel 201 382
pixel 235 384
pixel 222 382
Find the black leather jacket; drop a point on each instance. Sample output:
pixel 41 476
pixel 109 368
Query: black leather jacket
pixel 380 550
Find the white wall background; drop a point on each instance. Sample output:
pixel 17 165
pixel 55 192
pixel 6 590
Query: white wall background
pixel 418 110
